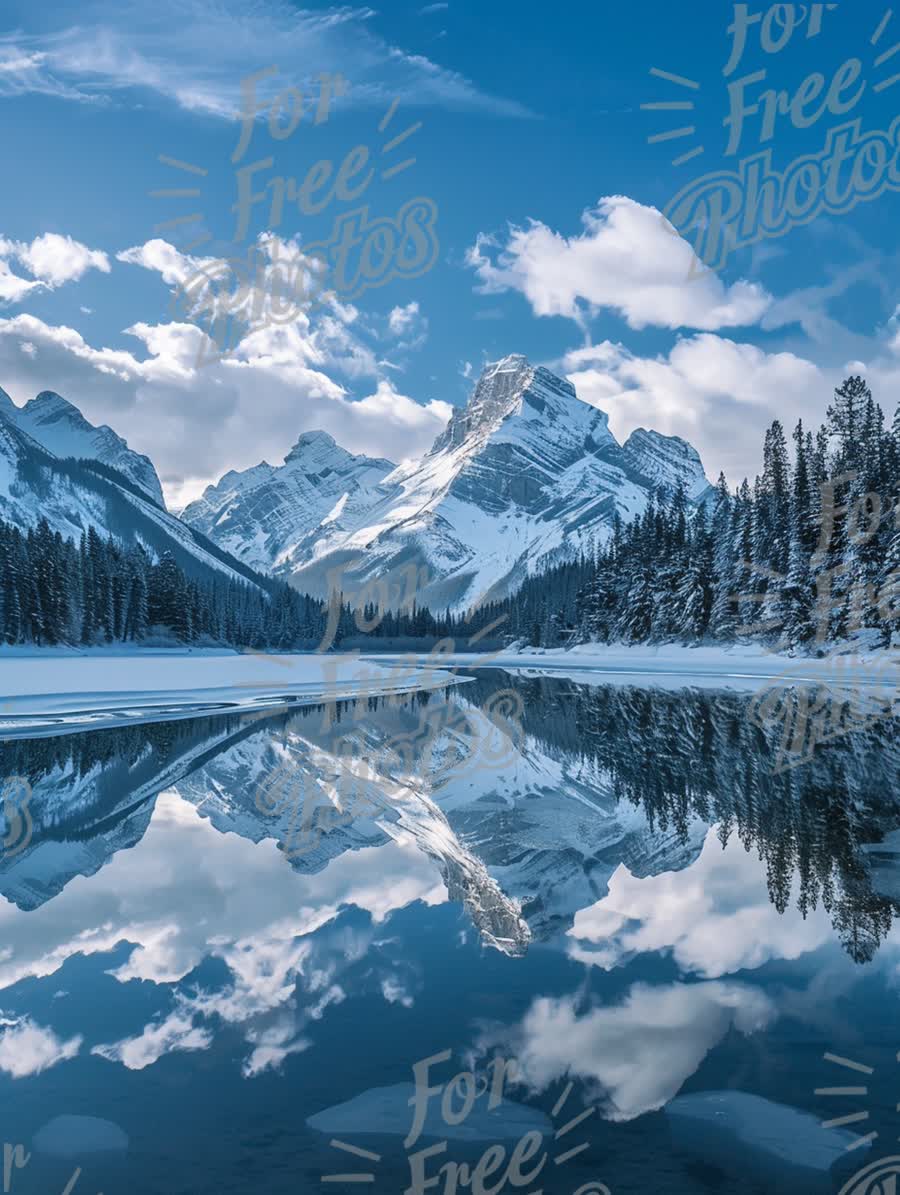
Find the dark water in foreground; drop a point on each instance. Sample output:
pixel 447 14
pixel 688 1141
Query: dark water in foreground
pixel 212 931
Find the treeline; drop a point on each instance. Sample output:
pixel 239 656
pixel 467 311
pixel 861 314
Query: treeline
pixel 807 555
pixel 684 756
pixel 54 591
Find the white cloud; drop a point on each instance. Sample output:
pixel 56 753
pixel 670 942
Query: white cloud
pixel 717 393
pixel 408 327
pixel 391 409
pixel 232 412
pixel 196 52
pixel 628 259
pixel 174 267
pixel 176 1032
pixel 13 288
pixel 640 1051
pixel 401 319
pixel 714 916
pixel 51 259
pixel 56 259
pixel 27 1049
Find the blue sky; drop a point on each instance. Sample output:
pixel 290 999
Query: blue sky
pixel 533 148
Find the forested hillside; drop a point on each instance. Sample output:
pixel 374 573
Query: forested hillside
pixel 54 591
pixel 806 556
pixel 809 554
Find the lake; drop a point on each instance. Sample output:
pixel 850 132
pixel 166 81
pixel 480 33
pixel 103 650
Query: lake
pixel 538 909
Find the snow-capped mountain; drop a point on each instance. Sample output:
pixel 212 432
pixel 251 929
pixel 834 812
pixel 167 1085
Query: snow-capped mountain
pixel 667 460
pixel 58 425
pixel 75 495
pixel 525 475
pixel 270 516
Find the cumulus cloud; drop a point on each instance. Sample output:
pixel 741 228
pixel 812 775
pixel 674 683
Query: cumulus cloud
pixel 51 259
pixel 230 411
pixel 389 407
pixel 27 1048
pixel 628 259
pixel 12 287
pixel 56 259
pixel 718 393
pixel 715 917
pixel 401 318
pixel 639 1052
pixel 161 257
pixel 196 52
pixel 721 394
pixel 407 327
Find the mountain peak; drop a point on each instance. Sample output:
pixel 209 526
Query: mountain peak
pixel 666 460
pixel 506 387
pixel 272 514
pixel 59 427
pixel 49 400
pixel 513 363
pixel 316 437
pixel 317 450
pixel 313 449
pixel 7 406
pixel 525 475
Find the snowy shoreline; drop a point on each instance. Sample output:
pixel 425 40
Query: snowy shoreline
pixel 57 690
pixel 50 691
pixel 676 666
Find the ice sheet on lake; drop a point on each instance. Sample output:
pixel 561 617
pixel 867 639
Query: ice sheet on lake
pixel 747 1135
pixel 389 1111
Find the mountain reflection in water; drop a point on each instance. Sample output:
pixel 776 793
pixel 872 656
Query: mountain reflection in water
pixel 527 814
pixel 224 930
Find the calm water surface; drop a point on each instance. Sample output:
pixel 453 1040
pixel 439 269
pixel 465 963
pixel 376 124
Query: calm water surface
pixel 218 930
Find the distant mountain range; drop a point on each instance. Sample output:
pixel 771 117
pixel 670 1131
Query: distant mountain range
pixel 527 474
pixel 524 476
pixel 92 479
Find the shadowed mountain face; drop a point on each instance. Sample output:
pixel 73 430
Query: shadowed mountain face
pixel 271 517
pixel 527 795
pixel 523 476
pixel 74 495
pixel 58 426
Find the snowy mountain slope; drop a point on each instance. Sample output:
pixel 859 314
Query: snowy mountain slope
pixel 75 495
pixel 525 475
pixel 60 427
pixel 666 461
pixel 268 516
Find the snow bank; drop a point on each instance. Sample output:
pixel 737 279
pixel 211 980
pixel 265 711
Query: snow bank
pixel 676 666
pixel 53 691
